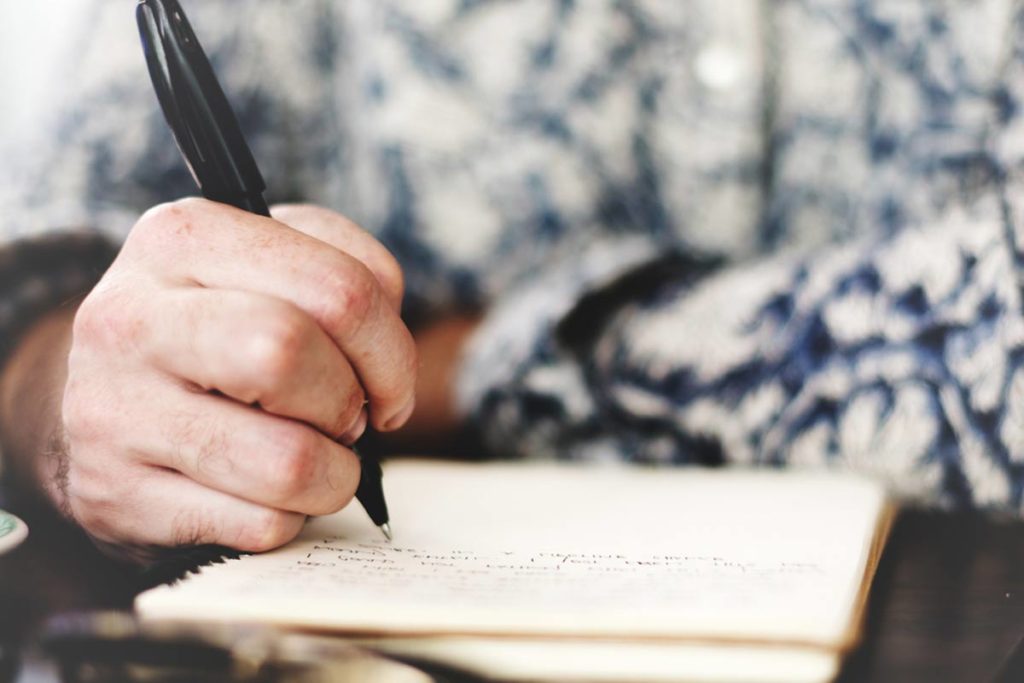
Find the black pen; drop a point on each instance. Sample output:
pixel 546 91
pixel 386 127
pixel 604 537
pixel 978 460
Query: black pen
pixel 208 135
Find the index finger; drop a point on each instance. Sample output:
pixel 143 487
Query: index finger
pixel 343 234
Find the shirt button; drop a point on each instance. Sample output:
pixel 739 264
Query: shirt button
pixel 718 66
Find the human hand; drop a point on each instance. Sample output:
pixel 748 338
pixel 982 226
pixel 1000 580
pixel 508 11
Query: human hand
pixel 216 367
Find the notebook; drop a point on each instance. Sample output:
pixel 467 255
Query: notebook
pixel 555 571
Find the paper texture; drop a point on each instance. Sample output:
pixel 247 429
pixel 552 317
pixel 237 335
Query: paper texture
pixel 637 662
pixel 565 551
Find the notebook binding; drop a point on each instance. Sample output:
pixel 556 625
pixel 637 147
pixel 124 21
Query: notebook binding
pixel 175 564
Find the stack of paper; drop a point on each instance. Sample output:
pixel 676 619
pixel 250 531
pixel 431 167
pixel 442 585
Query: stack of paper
pixel 561 572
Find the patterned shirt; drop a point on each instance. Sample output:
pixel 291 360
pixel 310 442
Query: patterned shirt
pixel 774 232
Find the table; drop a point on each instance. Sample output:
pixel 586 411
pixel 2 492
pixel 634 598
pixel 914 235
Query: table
pixel 947 603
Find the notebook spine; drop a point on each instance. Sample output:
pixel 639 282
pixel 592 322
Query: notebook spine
pixel 175 564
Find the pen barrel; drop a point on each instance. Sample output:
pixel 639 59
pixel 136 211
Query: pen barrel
pixel 198 112
pixel 253 203
pixel 209 137
pixel 370 492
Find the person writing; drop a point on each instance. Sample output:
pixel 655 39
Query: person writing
pixel 521 171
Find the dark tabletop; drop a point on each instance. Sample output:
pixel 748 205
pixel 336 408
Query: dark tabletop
pixel 947 603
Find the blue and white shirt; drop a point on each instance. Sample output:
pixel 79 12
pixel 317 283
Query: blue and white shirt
pixel 773 232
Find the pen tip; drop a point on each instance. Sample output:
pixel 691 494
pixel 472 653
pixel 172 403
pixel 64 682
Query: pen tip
pixel 386 530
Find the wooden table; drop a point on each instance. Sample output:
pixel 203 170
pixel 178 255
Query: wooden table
pixel 947 604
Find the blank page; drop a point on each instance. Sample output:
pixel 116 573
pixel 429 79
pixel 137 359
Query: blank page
pixel 565 550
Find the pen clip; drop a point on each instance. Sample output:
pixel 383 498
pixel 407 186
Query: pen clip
pixel 197 111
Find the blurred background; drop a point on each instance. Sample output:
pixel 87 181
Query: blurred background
pixel 33 41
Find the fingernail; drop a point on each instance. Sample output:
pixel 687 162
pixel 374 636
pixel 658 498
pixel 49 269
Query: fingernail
pixel 352 435
pixel 403 415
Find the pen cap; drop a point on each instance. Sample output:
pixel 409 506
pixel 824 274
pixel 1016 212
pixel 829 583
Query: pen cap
pixel 197 111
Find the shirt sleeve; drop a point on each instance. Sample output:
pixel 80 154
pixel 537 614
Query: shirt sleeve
pixel 901 358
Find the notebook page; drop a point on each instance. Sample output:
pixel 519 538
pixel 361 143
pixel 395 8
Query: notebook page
pixel 561 550
pixel 515 659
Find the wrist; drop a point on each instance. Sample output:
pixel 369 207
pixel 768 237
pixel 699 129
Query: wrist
pixel 435 423
pixel 31 394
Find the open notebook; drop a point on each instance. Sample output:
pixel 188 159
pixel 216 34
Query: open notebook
pixel 561 571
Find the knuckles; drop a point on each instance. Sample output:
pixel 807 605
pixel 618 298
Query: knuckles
pixel 292 462
pixel 165 225
pixel 349 415
pixel 100 501
pixel 192 527
pixel 275 349
pixel 266 529
pixel 298 464
pixel 86 418
pixel 350 297
pixel 323 223
pixel 109 318
pixel 342 479
pixel 390 275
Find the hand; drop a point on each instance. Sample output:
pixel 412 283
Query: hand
pixel 216 367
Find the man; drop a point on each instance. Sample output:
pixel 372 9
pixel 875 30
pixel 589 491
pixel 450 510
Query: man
pixel 533 162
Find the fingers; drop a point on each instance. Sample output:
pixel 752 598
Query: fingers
pixel 221 247
pixel 240 451
pixel 225 446
pixel 257 350
pixel 341 233
pixel 167 509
